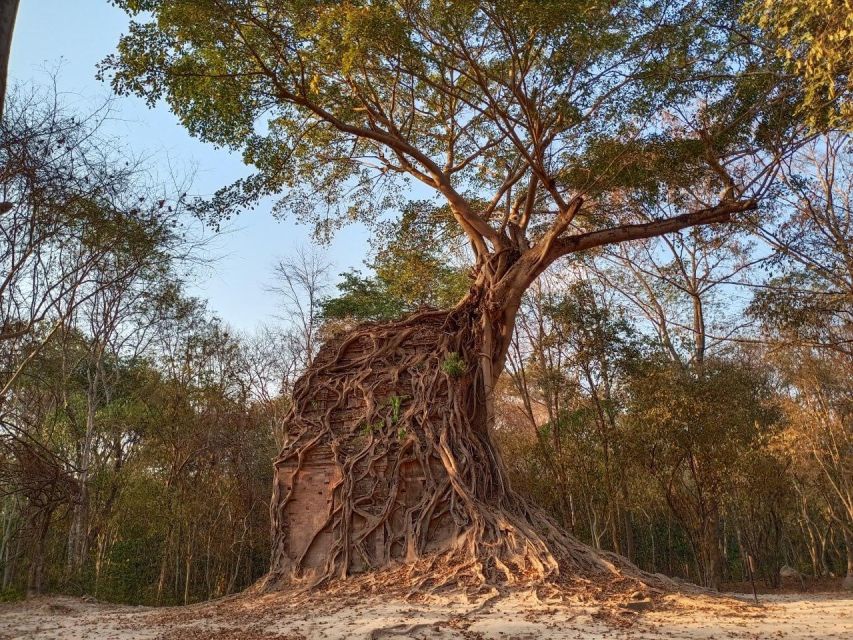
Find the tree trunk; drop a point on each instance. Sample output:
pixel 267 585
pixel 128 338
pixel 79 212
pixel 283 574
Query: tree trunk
pixel 40 527
pixel 8 12
pixel 710 556
pixel 78 533
pixel 390 459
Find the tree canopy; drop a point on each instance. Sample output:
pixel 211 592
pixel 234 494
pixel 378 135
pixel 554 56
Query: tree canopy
pixel 530 120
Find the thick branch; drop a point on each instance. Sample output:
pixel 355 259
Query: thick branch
pixel 472 224
pixel 720 213
pixel 513 285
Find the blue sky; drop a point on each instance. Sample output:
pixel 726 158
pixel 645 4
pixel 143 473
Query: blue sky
pixel 74 35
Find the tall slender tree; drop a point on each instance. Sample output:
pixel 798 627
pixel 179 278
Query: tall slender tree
pixel 8 12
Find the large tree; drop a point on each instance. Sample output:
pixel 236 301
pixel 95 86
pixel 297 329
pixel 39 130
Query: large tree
pixel 531 122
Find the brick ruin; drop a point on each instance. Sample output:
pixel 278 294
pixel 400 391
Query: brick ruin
pixel 388 459
pixel 388 487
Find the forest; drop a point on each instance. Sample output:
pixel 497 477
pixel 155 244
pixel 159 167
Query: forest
pixel 679 394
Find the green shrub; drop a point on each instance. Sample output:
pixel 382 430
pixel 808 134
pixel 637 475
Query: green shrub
pixel 453 365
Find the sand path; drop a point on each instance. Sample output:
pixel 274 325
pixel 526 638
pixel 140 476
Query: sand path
pixel 521 616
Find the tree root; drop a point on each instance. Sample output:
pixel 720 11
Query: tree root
pixel 399 416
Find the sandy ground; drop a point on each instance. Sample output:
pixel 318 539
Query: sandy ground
pixel 519 616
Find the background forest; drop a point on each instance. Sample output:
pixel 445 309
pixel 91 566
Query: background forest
pixel 684 401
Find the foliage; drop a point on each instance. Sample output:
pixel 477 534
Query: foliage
pixel 453 365
pixel 815 38
pixel 179 474
pixel 410 270
pixel 693 431
pixel 506 112
pixel 362 298
pixel 797 306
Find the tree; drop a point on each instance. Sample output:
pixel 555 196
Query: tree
pixel 693 431
pixel 600 341
pixel 205 442
pixel 81 219
pixel 85 235
pixel 819 436
pixel 413 267
pixel 272 367
pixel 810 303
pixel 575 344
pixel 758 501
pixel 119 323
pixel 683 285
pixel 529 122
pixel 301 280
pixel 8 11
pixel 806 313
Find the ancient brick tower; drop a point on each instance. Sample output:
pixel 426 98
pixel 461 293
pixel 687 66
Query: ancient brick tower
pixel 389 459
pixel 353 452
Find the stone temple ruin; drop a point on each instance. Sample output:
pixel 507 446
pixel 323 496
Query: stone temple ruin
pixel 354 452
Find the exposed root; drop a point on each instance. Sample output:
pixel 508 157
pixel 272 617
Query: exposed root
pixel 401 412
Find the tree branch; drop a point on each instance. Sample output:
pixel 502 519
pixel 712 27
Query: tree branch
pixel 719 213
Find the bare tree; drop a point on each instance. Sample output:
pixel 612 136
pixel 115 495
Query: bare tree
pixel 810 301
pixel 84 229
pixel 689 287
pixel 301 282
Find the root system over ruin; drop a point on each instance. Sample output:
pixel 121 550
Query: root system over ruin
pixel 389 461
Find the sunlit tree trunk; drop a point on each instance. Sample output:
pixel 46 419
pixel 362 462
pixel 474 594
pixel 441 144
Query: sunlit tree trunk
pixel 710 555
pixel 848 542
pixel 8 12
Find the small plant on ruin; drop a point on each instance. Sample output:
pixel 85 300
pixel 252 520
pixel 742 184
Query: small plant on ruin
pixel 396 403
pixel 453 365
pixel 371 427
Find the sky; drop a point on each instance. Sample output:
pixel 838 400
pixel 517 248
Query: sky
pixel 72 36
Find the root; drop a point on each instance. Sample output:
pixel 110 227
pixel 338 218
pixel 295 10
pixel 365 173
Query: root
pixel 397 417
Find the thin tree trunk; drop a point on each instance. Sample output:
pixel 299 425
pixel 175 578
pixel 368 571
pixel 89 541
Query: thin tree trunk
pixel 711 563
pixel 848 543
pixel 78 534
pixel 188 567
pixel 161 581
pixel 41 525
pixel 8 13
